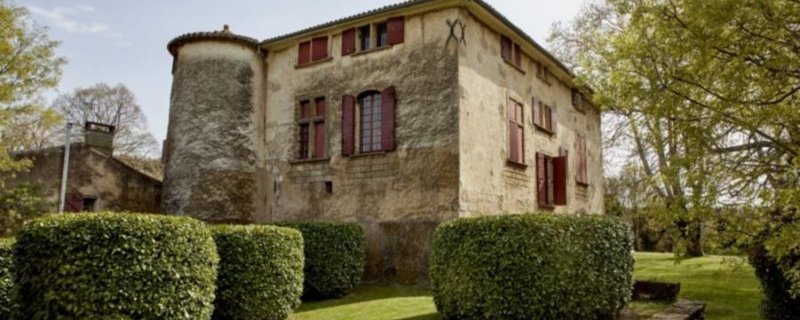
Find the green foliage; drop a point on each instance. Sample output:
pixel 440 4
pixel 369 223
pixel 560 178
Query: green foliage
pixel 335 254
pixel 6 277
pixel 531 267
pixel 260 272
pixel 779 304
pixel 21 204
pixel 28 66
pixel 115 266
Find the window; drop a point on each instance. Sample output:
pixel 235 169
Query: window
pixel 544 117
pixel 312 50
pixel 551 180
pixel 511 52
pixel 311 124
pixel 370 125
pixel 372 117
pixel 89 204
pixel 582 175
pixel 372 36
pixel 543 73
pixel 516 137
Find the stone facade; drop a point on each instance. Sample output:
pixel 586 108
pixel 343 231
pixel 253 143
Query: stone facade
pixel 96 181
pixel 233 139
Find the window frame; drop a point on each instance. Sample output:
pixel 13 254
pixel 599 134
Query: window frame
pixel 515 53
pixel 517 121
pixel 316 116
pixel 543 73
pixel 546 120
pixel 375 145
pixel 310 42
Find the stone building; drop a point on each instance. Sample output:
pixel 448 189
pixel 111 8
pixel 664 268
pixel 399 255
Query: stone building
pixel 96 180
pixel 397 119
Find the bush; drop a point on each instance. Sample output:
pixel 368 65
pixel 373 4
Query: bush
pixel 115 266
pixel 6 278
pixel 778 303
pixel 260 272
pixel 531 267
pixel 335 255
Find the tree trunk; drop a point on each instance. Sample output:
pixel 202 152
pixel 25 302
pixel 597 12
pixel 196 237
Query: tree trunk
pixel 691 233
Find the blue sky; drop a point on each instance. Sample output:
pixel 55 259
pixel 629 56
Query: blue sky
pixel 125 41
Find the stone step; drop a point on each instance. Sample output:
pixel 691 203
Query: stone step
pixel 683 310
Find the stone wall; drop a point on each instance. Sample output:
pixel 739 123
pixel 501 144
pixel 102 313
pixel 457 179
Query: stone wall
pixel 116 186
pixel 398 197
pixel 214 140
pixel 488 183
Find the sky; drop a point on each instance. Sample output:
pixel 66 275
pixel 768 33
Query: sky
pixel 125 41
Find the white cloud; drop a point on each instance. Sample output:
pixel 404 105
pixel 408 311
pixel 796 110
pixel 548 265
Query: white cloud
pixel 69 19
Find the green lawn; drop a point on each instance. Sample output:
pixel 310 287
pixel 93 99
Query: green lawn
pixel 730 290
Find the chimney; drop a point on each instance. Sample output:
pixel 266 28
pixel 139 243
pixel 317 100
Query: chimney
pixel 100 137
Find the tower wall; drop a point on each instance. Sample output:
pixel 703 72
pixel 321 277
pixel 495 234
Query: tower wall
pixel 215 136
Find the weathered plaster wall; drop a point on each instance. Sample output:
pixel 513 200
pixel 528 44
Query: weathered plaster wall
pixel 398 197
pixel 116 186
pixel 215 135
pixel 488 184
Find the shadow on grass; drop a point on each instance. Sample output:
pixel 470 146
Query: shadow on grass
pixel 369 293
pixel 430 316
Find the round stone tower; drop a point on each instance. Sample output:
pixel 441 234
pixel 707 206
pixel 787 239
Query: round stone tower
pixel 213 155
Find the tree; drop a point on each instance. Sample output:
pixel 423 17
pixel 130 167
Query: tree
pixel 115 106
pixel 726 75
pixel 28 65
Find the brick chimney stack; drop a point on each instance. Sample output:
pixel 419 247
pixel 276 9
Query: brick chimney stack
pixel 100 137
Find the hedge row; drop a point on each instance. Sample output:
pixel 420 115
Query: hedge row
pixel 334 258
pixel 113 265
pixel 260 272
pixel 6 277
pixel 122 265
pixel 531 267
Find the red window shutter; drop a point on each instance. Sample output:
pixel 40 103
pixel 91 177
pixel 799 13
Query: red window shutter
pixel 513 142
pixel 517 55
pixel 396 30
pixel 560 180
pixel 348 125
pixel 320 107
pixel 388 119
pixel 505 48
pixel 319 140
pixel 541 179
pixel 348 41
pixel 73 202
pixel 305 109
pixel 304 53
pixel 319 48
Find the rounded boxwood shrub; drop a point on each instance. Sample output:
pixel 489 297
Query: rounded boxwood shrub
pixel 531 267
pixel 6 277
pixel 115 266
pixel 335 254
pixel 260 272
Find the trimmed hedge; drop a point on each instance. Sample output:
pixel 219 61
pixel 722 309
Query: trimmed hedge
pixel 6 277
pixel 531 267
pixel 115 266
pixel 335 254
pixel 260 272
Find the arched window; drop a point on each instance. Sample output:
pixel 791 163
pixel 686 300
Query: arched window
pixel 370 123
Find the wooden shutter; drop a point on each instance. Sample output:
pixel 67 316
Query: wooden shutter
pixel 348 41
pixel 304 53
pixel 560 180
pixel 73 202
pixel 505 48
pixel 541 179
pixel 319 48
pixel 319 140
pixel 517 55
pixel 582 160
pixel 537 112
pixel 513 142
pixel 396 30
pixel 348 125
pixel 388 119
